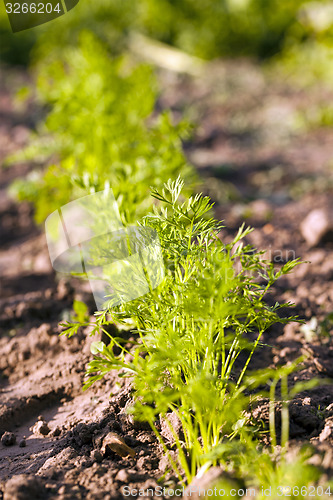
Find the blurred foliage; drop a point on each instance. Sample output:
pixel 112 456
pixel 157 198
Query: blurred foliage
pixel 213 28
pixel 14 48
pixel 100 129
pixel 210 28
pixel 315 55
pixel 109 20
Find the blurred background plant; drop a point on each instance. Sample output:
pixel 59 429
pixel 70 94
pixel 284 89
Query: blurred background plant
pixel 208 29
pixel 100 129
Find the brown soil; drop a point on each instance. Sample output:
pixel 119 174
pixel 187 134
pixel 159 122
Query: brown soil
pixel 259 167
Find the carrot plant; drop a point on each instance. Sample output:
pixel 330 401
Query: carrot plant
pixel 192 328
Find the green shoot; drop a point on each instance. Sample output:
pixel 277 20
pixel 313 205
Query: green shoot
pixel 192 328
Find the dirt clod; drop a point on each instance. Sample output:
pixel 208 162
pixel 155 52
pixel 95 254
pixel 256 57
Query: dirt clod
pixel 55 432
pixel 122 476
pixel 97 456
pixel 41 427
pixel 215 477
pixel 24 487
pixel 8 439
pixel 126 475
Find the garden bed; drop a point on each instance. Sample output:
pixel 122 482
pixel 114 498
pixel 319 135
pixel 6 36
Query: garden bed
pixel 256 167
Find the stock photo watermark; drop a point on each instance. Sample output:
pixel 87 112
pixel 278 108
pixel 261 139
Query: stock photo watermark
pixel 219 492
pixel 27 14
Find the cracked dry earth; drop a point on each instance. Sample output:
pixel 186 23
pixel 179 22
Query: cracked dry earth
pixel 258 168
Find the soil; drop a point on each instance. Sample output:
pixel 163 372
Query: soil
pixel 259 163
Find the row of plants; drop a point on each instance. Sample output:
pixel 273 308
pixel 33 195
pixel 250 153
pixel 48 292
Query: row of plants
pixel 289 35
pixel 100 130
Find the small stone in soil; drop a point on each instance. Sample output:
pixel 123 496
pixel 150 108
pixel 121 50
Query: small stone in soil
pixel 41 427
pixel 8 439
pixel 117 444
pixel 317 227
pixel 22 443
